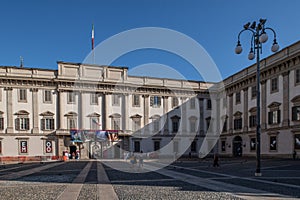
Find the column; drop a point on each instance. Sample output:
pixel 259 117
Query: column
pixel 9 111
pixel 230 113
pixel 165 115
pixel 263 106
pixel 125 108
pixel 35 111
pixel 146 109
pixel 201 117
pixel 245 118
pixel 285 100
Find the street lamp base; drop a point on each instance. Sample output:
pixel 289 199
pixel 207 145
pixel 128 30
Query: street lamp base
pixel 258 174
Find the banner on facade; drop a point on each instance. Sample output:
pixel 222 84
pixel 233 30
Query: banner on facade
pixel 48 146
pixel 23 147
pixel 94 135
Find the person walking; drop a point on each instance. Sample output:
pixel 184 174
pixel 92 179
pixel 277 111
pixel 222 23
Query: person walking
pixel 216 160
pixel 141 160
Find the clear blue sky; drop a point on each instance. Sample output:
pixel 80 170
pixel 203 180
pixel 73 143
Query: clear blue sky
pixel 44 32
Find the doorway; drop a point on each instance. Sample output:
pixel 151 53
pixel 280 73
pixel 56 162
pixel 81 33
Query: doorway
pixel 237 147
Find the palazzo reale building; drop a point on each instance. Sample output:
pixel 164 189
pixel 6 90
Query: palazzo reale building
pixel 40 107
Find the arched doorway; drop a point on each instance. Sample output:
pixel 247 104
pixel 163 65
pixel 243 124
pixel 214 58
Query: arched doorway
pixel 237 148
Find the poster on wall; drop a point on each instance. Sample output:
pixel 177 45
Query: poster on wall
pixel 23 147
pixel 48 146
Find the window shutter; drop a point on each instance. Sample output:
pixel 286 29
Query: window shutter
pixel 26 123
pixel 270 117
pixel 151 101
pixel 17 124
pixel 158 101
pixel 52 124
pixel 294 113
pixel 42 124
pixel 278 116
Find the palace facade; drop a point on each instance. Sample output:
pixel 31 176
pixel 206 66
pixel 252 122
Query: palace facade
pixel 162 117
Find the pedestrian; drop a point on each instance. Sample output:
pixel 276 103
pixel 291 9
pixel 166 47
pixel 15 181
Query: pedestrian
pixel 294 155
pixel 133 160
pixel 216 160
pixel 141 160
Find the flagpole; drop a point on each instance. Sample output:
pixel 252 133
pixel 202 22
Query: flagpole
pixel 93 44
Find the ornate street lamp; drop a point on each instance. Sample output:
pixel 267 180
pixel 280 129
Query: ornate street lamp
pixel 259 36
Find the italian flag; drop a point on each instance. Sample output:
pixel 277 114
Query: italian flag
pixel 93 37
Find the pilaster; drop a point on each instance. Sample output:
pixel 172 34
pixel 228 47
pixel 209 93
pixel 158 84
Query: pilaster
pixel 263 105
pixel 9 111
pixel 35 111
pixel 285 100
pixel 245 118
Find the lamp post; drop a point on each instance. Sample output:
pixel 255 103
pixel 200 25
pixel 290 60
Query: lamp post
pixel 259 36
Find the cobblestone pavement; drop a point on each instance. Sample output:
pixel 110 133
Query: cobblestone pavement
pixel 94 180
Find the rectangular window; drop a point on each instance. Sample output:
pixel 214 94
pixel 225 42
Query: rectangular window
pixel 174 102
pixel 156 125
pixel 1 123
pixel 175 146
pixel 274 117
pixel 72 123
pixel 47 96
pixel 115 100
pixel 238 97
pixel 297 141
pixel 94 123
pixel 252 121
pixel 155 101
pixel 238 124
pixel 274 84
pixel 192 103
pixel 208 104
pixel 175 126
pixel 156 145
pixel 252 144
pixel 296 113
pixel 23 95
pixel 115 123
pixel 208 120
pixel 136 100
pixel 194 146
pixel 137 146
pixel 193 126
pixel 253 92
pixel 136 124
pixel 273 143
pixel 22 123
pixel 223 146
pixel 225 126
pixel 297 76
pixel 94 98
pixel 47 124
pixel 71 97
